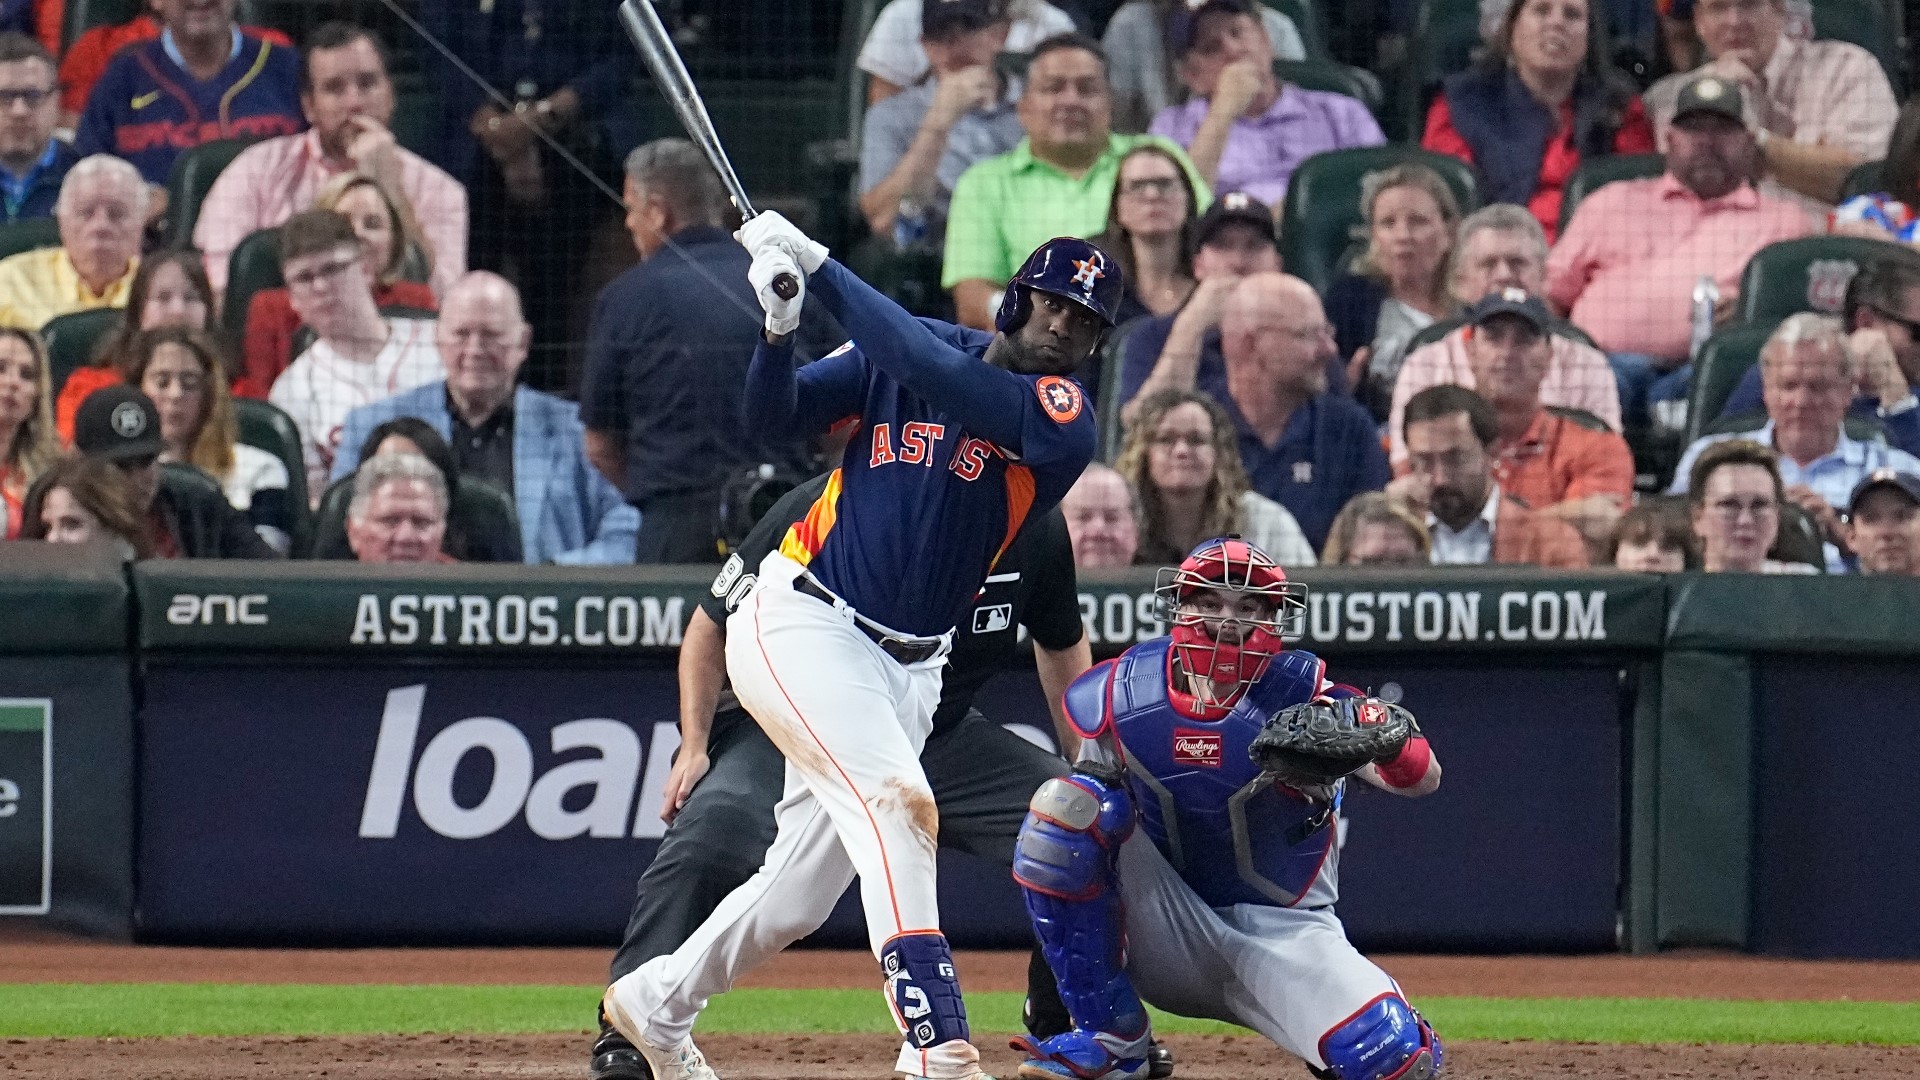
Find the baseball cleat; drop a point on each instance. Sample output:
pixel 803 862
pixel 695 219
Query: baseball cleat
pixel 1076 1055
pixel 1159 1061
pixel 683 1062
pixel 614 1057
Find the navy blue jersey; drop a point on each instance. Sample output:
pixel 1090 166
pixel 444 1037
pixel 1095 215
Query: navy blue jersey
pixel 150 110
pixel 951 455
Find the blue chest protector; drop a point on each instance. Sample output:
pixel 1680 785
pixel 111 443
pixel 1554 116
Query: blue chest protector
pixel 1231 833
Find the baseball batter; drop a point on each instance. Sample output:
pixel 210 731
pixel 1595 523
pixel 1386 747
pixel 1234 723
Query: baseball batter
pixel 727 775
pixel 837 651
pixel 1192 851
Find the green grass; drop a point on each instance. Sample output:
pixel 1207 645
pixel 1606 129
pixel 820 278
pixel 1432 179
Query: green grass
pixel 146 1009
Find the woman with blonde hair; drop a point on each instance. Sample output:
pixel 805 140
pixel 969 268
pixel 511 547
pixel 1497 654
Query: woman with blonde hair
pixel 1374 529
pixel 1399 286
pixel 383 220
pixel 182 371
pixel 28 446
pixel 1180 456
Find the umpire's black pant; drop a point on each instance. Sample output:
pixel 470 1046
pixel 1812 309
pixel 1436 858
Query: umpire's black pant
pixel 982 775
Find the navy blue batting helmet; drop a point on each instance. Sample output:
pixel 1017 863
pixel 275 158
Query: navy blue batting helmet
pixel 1068 268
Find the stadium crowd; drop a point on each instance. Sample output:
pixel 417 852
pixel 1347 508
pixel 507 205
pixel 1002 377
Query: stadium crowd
pixel 1635 285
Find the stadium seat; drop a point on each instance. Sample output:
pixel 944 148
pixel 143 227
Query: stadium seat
pixel 1865 179
pixel 81 16
pixel 1107 407
pixel 1322 207
pixel 1868 24
pixel 1306 19
pixel 478 509
pixel 180 477
pixel 253 267
pixel 1592 175
pixel 27 235
pixel 1722 363
pixel 1798 539
pixel 1809 274
pixel 74 339
pixel 909 278
pixel 1337 78
pixel 1579 417
pixel 265 427
pixel 192 177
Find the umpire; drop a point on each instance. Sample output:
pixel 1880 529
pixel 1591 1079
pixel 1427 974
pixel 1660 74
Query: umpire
pixel 727 776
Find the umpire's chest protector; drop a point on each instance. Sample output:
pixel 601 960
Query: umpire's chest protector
pixel 1234 836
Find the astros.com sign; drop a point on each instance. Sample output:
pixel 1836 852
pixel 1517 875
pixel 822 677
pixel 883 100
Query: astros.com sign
pixel 1391 615
pixel 590 796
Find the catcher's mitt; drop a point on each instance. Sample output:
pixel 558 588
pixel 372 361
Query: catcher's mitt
pixel 1322 740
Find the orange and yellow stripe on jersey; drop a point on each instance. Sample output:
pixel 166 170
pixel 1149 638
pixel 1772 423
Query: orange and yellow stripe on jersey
pixel 806 536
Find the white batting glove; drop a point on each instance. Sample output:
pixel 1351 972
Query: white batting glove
pixel 783 315
pixel 769 228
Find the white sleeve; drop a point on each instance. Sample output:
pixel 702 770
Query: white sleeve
pixel 892 50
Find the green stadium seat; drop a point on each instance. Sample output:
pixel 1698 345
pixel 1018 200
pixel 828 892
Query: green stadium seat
pixel 1322 207
pixel 1722 363
pixel 1868 24
pixel 265 427
pixel 478 509
pixel 81 16
pixel 1866 178
pixel 1107 412
pixel 1798 539
pixel 192 177
pixel 179 477
pixel 28 235
pixel 1809 274
pixel 1326 75
pixel 253 267
pixel 1593 175
pixel 1306 19
pixel 910 278
pixel 74 340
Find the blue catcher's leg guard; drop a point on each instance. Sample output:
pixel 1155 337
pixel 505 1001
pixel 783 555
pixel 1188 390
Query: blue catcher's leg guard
pixel 922 989
pixel 1065 864
pixel 1387 1040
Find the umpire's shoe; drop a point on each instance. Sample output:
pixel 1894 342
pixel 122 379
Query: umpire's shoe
pixel 614 1058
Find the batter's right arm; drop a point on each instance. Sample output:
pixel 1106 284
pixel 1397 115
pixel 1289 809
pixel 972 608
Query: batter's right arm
pixel 703 670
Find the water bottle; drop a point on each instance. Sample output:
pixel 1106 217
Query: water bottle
pixel 1706 295
pixel 909 225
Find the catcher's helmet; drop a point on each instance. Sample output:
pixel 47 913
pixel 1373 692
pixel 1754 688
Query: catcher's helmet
pixel 1068 268
pixel 1225 647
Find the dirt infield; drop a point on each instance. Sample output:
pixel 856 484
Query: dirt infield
pixel 1697 975
pixel 868 1057
pixel 53 959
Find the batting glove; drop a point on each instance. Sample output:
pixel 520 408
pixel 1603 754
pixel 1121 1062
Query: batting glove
pixel 769 228
pixel 783 315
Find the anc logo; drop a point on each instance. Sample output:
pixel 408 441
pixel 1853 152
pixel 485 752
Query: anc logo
pixel 1060 398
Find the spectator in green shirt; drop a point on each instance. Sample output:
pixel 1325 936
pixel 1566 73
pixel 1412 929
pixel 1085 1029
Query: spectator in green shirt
pixel 1057 182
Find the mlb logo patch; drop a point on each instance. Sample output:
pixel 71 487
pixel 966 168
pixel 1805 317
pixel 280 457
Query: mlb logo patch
pixel 992 619
pixel 1201 748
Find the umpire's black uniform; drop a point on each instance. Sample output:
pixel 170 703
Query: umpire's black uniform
pixel 982 775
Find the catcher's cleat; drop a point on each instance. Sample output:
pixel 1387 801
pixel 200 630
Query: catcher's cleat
pixel 1076 1055
pixel 1159 1061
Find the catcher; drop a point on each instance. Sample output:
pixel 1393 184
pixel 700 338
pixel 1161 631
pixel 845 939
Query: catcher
pixel 1192 852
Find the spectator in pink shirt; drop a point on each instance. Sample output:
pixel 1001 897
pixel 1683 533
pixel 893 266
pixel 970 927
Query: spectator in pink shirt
pixel 348 99
pixel 1626 267
pixel 1503 247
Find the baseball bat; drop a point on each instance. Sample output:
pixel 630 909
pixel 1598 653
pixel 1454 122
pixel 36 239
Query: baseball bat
pixel 649 36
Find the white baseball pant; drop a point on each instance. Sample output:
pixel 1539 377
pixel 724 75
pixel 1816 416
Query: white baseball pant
pixel 851 721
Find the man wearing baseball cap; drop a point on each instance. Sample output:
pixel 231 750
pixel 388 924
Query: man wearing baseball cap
pixel 1244 128
pixel 190 520
pixel 1883 523
pixel 1234 238
pixel 1821 107
pixel 1559 462
pixel 1627 264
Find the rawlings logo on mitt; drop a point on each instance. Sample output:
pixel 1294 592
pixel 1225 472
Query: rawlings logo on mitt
pixel 1322 740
